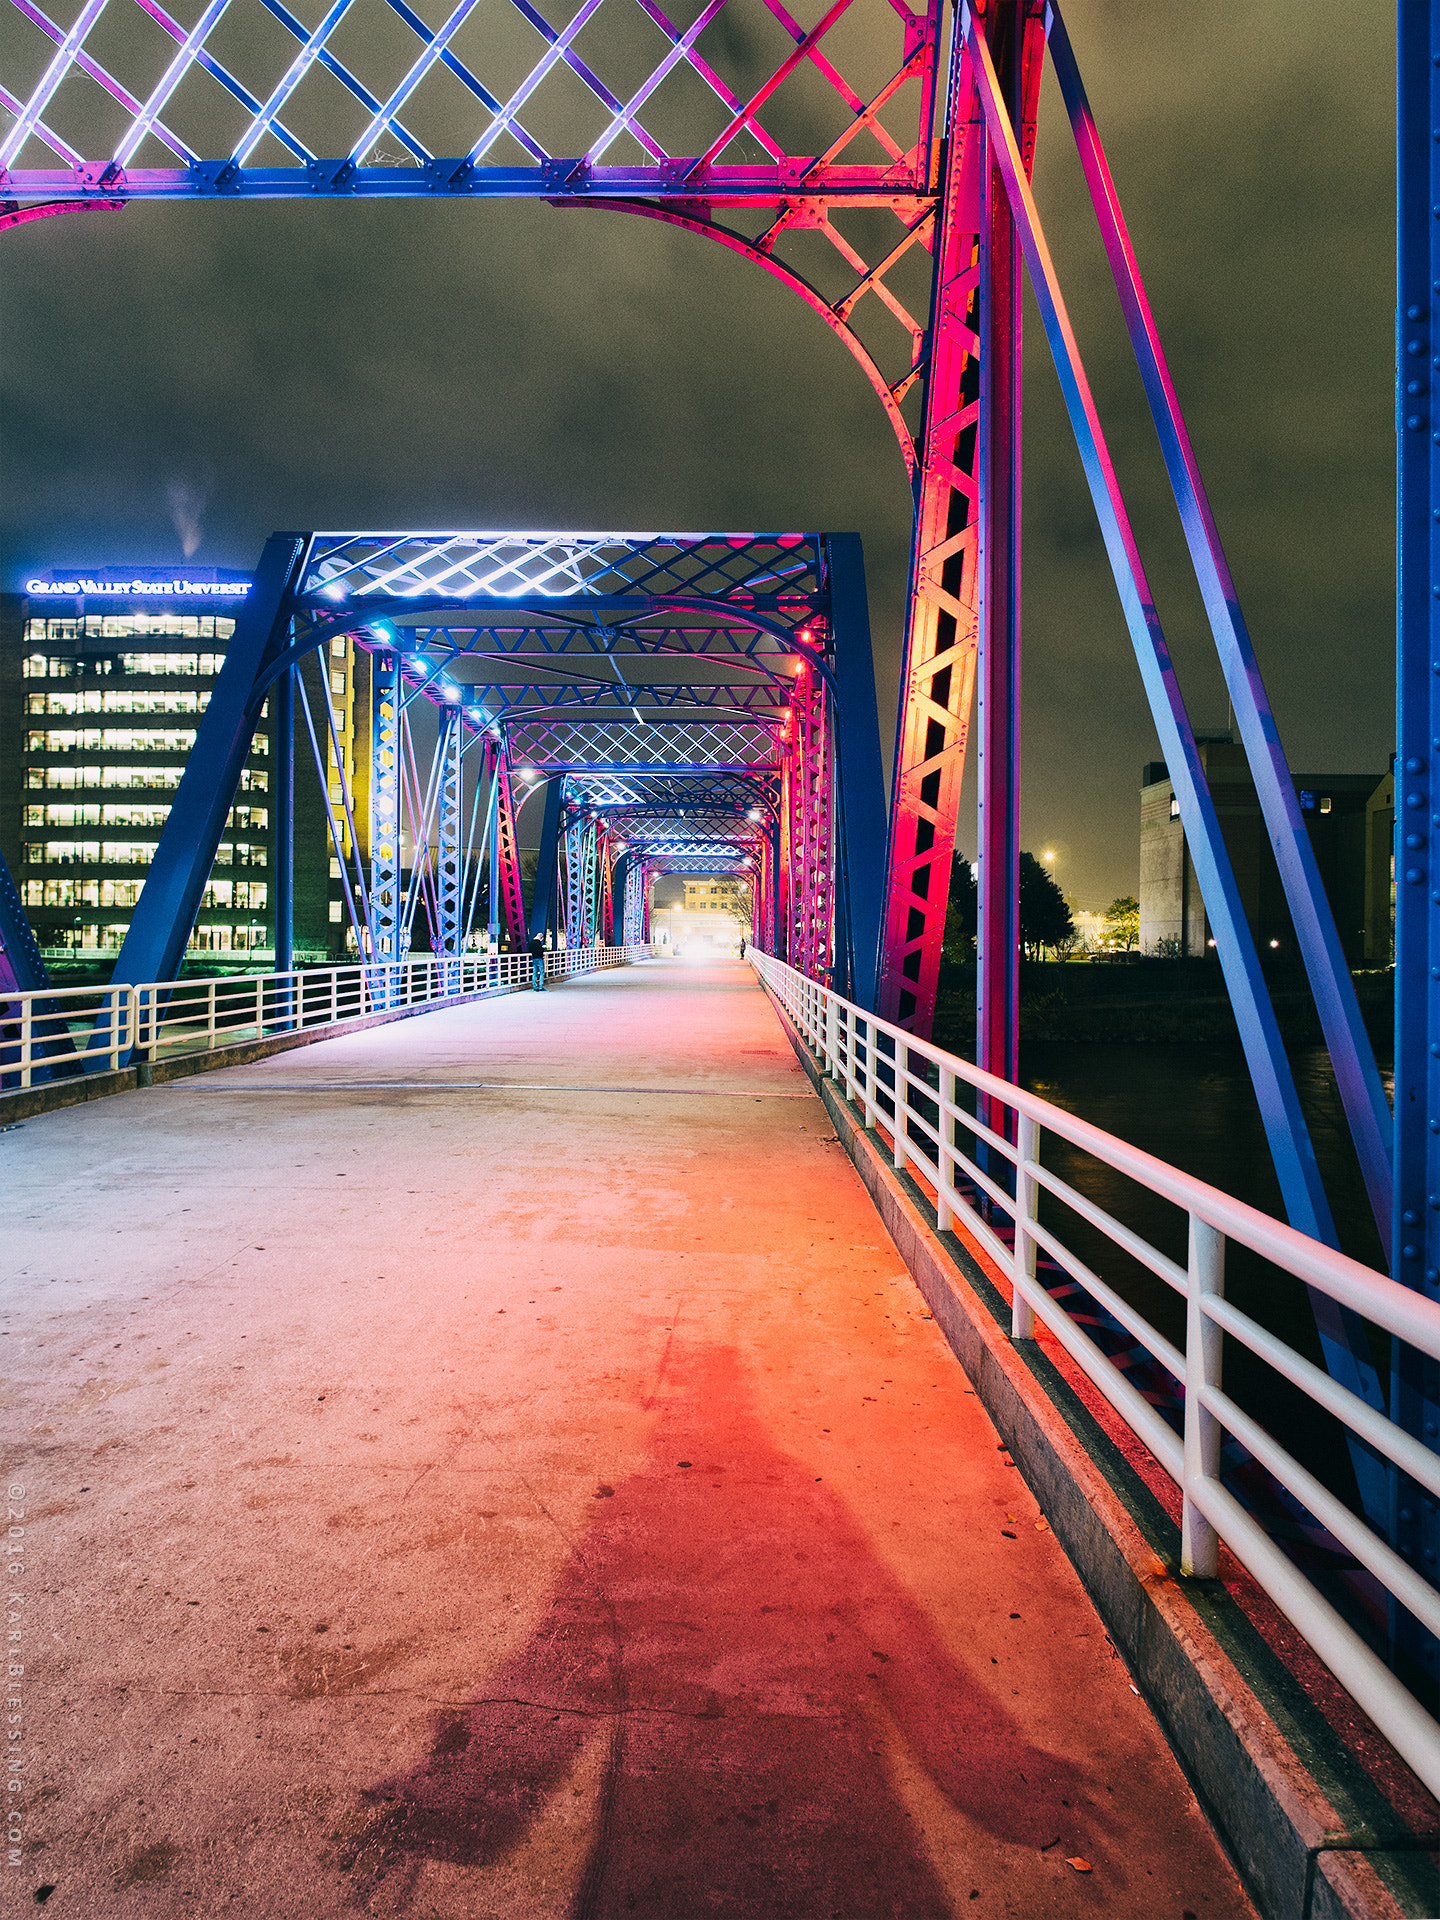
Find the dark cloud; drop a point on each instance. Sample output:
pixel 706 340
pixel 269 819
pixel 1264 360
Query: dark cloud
pixel 509 364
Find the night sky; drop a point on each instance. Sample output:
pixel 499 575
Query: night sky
pixel 511 365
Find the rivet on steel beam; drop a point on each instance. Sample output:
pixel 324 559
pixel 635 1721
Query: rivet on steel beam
pixel 1410 1217
pixel 1414 875
pixel 1410 1253
pixel 1414 313
pixel 1415 422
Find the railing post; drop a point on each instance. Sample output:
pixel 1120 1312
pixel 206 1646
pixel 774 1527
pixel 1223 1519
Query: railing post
pixel 944 1160
pixel 259 1006
pixel 1027 1194
pixel 902 1068
pixel 209 1012
pixel 1204 1345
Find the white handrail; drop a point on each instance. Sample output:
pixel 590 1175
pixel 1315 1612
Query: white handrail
pixel 882 1070
pixel 79 1029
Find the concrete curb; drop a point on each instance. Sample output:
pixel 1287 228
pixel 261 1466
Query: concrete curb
pixel 25 1102
pixel 1309 1832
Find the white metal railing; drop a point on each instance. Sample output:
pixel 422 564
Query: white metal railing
pixel 909 1087
pixel 67 1030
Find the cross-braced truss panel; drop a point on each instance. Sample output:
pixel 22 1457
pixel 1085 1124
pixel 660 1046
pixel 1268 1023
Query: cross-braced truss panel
pixel 558 746
pixel 459 566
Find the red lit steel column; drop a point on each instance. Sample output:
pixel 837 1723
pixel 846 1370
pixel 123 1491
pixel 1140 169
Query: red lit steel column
pixel 1001 327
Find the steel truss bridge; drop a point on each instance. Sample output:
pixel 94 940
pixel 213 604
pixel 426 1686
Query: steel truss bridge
pixel 708 701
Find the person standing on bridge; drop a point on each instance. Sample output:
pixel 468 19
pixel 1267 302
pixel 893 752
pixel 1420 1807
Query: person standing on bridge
pixel 537 964
pixel 742 946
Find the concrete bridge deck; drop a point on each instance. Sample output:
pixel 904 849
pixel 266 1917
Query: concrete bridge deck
pixel 498 1465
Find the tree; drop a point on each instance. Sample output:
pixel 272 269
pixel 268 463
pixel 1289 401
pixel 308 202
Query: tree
pixel 1044 917
pixel 962 914
pixel 1122 917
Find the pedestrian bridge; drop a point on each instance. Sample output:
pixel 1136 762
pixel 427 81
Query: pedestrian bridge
pixel 502 1462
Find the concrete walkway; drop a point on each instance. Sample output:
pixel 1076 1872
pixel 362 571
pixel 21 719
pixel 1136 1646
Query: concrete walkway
pixel 551 1501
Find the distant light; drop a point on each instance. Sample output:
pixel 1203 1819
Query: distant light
pixel 754 814
pixel 529 773
pixel 1049 854
pixel 334 591
pixel 452 693
pixel 1274 943
pixel 1209 943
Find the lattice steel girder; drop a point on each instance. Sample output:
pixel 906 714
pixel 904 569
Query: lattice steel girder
pixel 664 746
pixel 385 802
pixel 604 574
pixel 759 790
pixel 449 868
pixel 505 863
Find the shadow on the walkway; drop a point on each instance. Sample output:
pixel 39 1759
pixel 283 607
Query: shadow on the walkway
pixel 778 1716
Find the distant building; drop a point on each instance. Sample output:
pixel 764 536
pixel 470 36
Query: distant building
pixel 1350 818
pixel 717 896
pixel 104 674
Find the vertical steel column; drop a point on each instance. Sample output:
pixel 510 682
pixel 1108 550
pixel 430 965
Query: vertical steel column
pixel 385 804
pixel 282 819
pixel 492 829
pixel 449 867
pixel 607 888
pixel 784 849
pixel 572 869
pixel 938 668
pixel 812 890
pixel 997 980
pixel 543 903
pixel 1415 1381
pixel 509 858
pixel 859 776
pixel 590 865
pixel 634 902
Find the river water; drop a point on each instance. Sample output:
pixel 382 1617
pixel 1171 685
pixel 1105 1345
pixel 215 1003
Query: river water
pixel 1195 1108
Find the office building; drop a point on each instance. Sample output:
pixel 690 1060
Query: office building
pixel 104 675
pixel 1350 818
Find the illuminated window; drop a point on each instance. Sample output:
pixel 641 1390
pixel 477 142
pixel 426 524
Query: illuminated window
pixel 337 649
pixel 335 911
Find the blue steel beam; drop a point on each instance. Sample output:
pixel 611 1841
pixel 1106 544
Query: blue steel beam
pixel 154 946
pixel 282 819
pixel 1353 1057
pixel 1342 1336
pixel 1415 1221
pixel 21 966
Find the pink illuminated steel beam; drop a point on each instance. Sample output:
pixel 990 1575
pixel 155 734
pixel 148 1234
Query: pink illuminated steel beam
pixel 942 632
